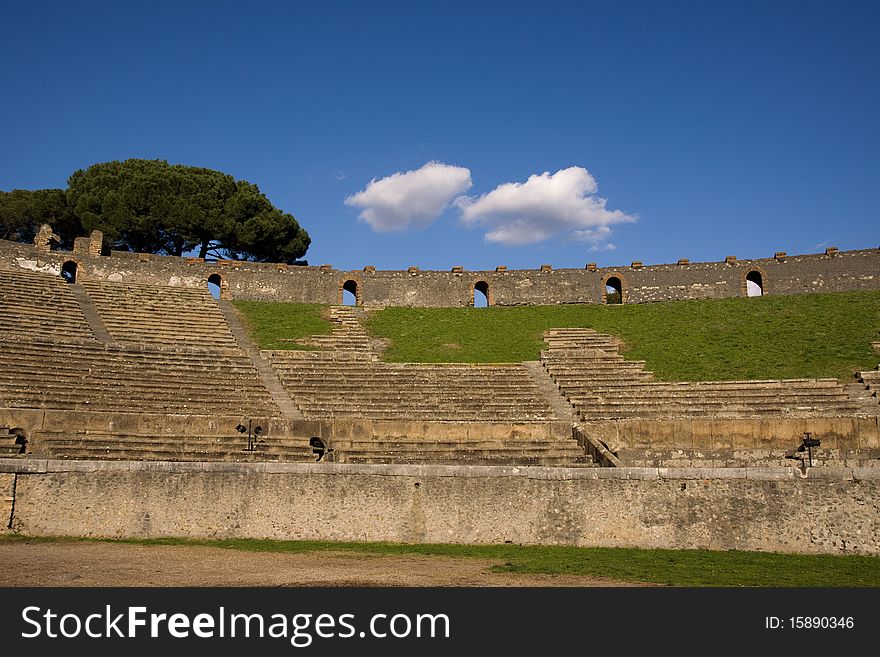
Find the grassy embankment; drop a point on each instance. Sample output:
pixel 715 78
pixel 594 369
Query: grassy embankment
pixel 799 336
pixel 669 567
pixel 279 325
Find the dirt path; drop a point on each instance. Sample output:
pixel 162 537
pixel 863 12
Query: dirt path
pixel 36 563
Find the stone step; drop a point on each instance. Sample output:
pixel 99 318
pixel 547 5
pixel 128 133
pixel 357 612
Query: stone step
pixel 385 380
pixel 158 453
pixel 127 406
pixel 110 371
pixel 467 458
pixel 430 415
pixel 662 394
pixel 721 404
pixel 132 392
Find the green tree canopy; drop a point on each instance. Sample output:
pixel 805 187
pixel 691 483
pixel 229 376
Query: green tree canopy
pixel 156 207
pixel 23 211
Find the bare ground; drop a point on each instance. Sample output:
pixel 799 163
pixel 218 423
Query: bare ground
pixel 37 563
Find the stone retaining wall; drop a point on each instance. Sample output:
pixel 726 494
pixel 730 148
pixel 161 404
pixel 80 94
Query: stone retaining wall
pixel 33 421
pixel 827 510
pixel 722 442
pixel 7 495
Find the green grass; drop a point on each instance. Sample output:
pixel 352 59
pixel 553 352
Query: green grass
pixel 798 336
pixel 278 325
pixel 669 567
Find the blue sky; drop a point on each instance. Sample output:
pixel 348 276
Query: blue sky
pixel 666 129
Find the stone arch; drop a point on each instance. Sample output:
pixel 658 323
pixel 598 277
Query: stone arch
pixel 617 282
pixel 757 277
pixel 483 288
pixel 353 286
pixel 69 271
pixel 218 286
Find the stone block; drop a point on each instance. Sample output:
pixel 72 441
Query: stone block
pixel 28 419
pixel 733 434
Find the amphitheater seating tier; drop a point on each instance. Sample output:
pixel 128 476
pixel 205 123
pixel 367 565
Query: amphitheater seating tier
pixel 160 315
pixel 326 386
pixel 142 447
pixel 600 384
pixel 511 452
pixel 90 376
pixel 40 305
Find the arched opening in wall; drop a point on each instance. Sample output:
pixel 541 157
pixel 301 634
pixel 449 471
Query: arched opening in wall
pixel 754 284
pixel 215 285
pixel 21 440
pixel 350 293
pixel 481 294
pixel 613 291
pixel 68 271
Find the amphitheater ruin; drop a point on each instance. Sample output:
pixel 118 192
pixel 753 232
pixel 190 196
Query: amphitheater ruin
pixel 131 397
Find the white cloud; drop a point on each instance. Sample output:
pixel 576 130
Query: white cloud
pixel 544 206
pixel 412 199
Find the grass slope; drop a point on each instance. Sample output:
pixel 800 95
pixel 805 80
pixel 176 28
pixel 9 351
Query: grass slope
pixel 276 325
pixel 798 336
pixel 670 567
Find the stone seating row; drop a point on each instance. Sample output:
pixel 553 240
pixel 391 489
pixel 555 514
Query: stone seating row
pixel 580 338
pixel 121 446
pixel 36 303
pixel 327 387
pixel 154 314
pixel 511 452
pixel 602 385
pixel 81 376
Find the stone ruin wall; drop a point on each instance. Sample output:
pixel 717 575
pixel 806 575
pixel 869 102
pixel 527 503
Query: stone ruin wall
pixel 834 271
pixel 822 510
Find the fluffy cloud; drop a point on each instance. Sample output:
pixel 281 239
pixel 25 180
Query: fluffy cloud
pixel 545 206
pixel 412 199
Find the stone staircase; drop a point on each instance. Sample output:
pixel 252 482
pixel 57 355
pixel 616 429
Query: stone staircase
pixel 159 315
pixel 41 305
pixel 867 390
pixel 90 312
pixel 600 385
pixel 348 334
pixel 11 444
pixel 267 375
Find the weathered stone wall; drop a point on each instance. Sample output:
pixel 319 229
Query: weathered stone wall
pixel 846 441
pixel 832 272
pixel 330 431
pixel 7 495
pixel 738 442
pixel 828 510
